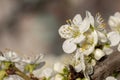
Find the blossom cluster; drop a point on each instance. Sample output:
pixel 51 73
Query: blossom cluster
pixel 86 40
pixel 89 40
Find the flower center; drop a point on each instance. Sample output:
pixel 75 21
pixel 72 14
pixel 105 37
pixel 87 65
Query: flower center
pixel 88 42
pixel 73 29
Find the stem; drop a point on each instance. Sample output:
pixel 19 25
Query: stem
pixel 21 74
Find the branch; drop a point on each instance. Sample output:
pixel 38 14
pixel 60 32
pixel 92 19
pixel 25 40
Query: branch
pixel 107 67
pixel 21 74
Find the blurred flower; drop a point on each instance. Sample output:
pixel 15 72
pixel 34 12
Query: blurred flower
pixel 114 35
pixel 33 59
pixel 10 56
pixel 32 63
pixel 47 73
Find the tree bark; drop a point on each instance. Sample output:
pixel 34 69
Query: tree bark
pixel 107 67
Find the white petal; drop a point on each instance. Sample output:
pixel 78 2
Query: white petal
pixel 110 78
pixel 47 72
pixel 82 61
pixel 102 36
pixel 14 57
pixel 38 58
pixel 2 58
pixel 93 62
pixel 79 39
pixel 114 38
pixel 95 36
pixel 113 21
pixel 27 60
pixel 98 54
pixel 117 14
pixel 17 59
pixel 90 17
pixel 77 54
pixel 69 46
pixel 85 25
pixel 118 48
pixel 77 19
pixel 65 32
pixel 89 50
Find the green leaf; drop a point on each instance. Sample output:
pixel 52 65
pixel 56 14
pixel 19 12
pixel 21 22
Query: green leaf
pixel 3 74
pixel 65 70
pixel 7 64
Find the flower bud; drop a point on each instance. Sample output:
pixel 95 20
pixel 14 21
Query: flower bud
pixel 110 78
pixel 59 67
pixel 59 77
pixel 98 54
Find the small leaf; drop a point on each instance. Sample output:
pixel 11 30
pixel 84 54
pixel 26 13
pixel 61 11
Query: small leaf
pixel 2 74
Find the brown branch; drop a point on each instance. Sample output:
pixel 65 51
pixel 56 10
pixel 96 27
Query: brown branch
pixel 107 67
pixel 21 74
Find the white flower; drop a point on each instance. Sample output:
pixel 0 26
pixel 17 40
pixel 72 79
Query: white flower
pixel 33 63
pixel 59 67
pixel 59 77
pixel 73 33
pixel 114 22
pixel 114 35
pixel 98 54
pixel 47 73
pixel 10 56
pixel 33 59
pixel 110 78
pixel 98 25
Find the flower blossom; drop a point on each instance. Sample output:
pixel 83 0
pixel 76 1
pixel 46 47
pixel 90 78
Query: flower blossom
pixel 114 35
pixel 9 56
pixel 32 63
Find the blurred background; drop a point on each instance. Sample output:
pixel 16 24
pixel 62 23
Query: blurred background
pixel 31 26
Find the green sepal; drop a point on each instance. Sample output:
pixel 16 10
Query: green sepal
pixel 30 67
